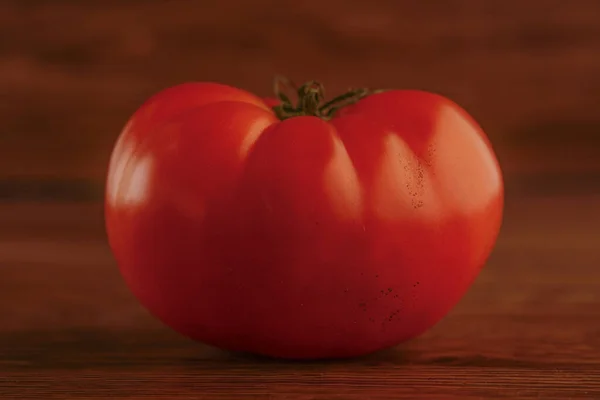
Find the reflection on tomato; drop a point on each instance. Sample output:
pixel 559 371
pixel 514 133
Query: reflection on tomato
pixel 301 232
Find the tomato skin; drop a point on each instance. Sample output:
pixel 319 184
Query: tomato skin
pixel 301 238
pixel 271 102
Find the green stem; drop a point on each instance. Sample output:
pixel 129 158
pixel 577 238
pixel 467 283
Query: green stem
pixel 310 97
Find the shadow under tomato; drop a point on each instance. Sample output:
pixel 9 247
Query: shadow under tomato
pixel 396 355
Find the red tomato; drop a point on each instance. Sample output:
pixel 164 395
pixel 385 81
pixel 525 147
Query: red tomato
pixel 311 237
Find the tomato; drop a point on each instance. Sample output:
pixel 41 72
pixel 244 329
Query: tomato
pixel 301 232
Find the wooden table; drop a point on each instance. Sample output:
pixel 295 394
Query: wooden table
pixel 529 328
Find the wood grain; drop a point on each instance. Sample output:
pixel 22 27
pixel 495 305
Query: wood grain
pixel 71 74
pixel 529 328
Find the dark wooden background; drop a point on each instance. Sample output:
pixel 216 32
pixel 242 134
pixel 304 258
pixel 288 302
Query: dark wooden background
pixel 71 73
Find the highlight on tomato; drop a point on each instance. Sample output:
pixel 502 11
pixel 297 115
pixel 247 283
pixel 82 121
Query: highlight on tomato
pixel 301 228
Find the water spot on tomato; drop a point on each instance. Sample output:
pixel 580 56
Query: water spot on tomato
pixel 403 183
pixel 393 315
pixel 430 155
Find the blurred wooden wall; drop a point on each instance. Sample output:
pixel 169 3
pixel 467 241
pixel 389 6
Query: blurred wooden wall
pixel 71 72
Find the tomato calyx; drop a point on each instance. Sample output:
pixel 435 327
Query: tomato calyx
pixel 311 99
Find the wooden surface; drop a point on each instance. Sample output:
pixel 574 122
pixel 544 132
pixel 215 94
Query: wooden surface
pixel 72 72
pixel 529 328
